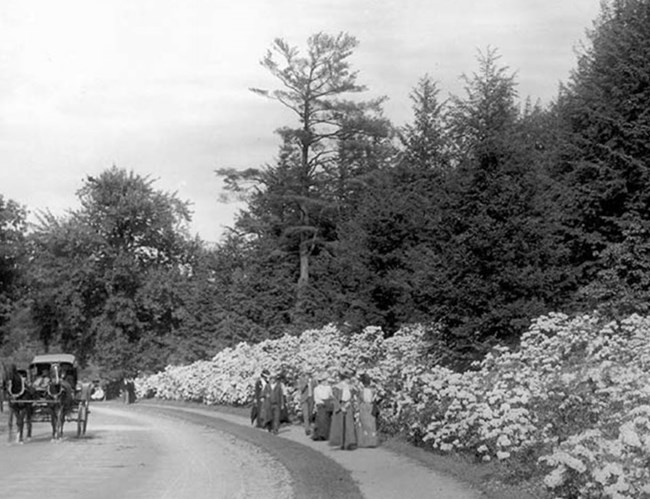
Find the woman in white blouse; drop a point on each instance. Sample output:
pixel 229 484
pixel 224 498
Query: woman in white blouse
pixel 322 408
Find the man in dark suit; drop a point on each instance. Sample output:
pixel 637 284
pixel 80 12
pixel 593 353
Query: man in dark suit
pixel 275 403
pixel 258 411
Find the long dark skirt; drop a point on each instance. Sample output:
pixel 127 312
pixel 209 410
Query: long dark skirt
pixel 322 422
pixel 342 431
pixel 261 413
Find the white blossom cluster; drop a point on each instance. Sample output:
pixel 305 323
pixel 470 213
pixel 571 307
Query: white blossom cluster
pixel 229 377
pixel 576 391
pixel 576 388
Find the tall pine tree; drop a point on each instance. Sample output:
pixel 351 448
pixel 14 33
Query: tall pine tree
pixel 299 200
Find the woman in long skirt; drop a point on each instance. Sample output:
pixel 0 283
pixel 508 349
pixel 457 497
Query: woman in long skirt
pixel 343 431
pixel 367 424
pixel 322 409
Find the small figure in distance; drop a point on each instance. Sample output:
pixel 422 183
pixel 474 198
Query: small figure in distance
pixel 258 410
pixel 306 391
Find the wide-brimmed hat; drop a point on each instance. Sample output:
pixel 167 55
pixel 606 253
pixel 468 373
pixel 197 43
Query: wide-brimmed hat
pixel 265 372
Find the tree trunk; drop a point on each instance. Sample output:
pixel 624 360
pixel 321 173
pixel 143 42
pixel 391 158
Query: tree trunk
pixel 303 279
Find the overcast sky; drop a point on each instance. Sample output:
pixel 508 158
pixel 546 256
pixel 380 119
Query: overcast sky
pixel 160 87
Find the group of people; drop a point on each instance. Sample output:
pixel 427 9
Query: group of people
pixel 342 411
pixel 40 377
pixel 270 406
pixel 335 407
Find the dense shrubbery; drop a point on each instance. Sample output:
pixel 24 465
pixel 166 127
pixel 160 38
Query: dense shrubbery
pixel 575 395
pixel 229 377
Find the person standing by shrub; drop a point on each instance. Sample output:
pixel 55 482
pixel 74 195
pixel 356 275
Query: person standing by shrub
pixel 306 391
pixel 284 411
pixel 276 404
pixel 343 430
pixel 128 390
pixel 322 408
pixel 367 423
pixel 258 411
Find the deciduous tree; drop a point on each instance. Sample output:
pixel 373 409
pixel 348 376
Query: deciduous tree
pixel 105 276
pixel 12 257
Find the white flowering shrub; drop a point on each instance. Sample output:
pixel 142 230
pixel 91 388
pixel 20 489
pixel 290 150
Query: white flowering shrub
pixel 229 377
pixel 575 393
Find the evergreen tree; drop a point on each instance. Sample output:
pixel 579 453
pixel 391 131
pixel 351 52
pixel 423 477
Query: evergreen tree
pixel 605 162
pixel 424 140
pixel 496 265
pixel 480 122
pixel 298 201
pixel 383 245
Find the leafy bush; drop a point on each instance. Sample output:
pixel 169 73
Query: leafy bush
pixel 573 397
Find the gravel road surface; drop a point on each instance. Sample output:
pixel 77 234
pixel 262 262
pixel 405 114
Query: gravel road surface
pixel 379 473
pixel 159 451
pixel 128 454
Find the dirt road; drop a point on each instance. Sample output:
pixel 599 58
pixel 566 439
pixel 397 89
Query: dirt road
pixel 134 455
pixel 156 451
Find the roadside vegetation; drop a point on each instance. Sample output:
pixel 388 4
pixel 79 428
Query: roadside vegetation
pixel 505 241
pixel 566 413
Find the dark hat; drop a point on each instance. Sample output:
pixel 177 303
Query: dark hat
pixel 265 372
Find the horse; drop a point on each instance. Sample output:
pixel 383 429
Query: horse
pixel 20 397
pixel 61 396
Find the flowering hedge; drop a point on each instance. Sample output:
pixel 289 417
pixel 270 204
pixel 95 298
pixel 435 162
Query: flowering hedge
pixel 229 377
pixel 576 393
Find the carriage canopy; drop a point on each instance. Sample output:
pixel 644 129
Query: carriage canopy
pixel 46 360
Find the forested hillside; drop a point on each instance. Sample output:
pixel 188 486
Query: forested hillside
pixel 483 213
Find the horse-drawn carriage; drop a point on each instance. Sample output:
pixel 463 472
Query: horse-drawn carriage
pixel 49 392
